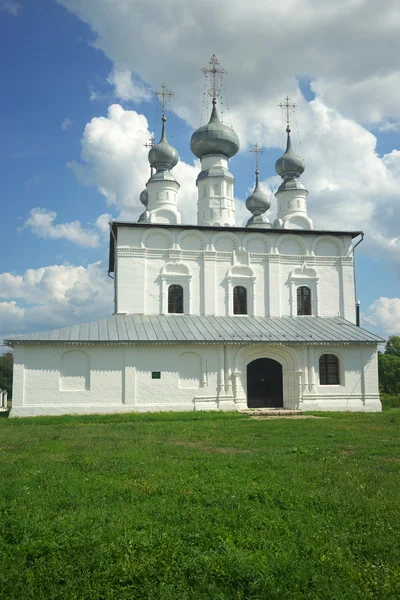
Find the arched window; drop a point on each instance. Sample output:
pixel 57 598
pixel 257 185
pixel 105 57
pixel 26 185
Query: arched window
pixel 175 299
pixel 329 373
pixel 239 300
pixel 303 300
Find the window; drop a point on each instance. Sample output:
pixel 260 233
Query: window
pixel 329 370
pixel 239 300
pixel 156 374
pixel 303 300
pixel 175 299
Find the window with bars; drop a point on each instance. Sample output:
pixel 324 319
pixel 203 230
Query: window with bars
pixel 239 300
pixel 303 300
pixel 329 373
pixel 175 299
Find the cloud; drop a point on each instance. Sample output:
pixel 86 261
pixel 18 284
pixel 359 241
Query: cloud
pixel 10 6
pixel 41 223
pixel 384 315
pixel 66 124
pixel 127 87
pixel 55 296
pixel 349 49
pixel 114 160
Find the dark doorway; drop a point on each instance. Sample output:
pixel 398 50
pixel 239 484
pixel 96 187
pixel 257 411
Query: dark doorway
pixel 264 384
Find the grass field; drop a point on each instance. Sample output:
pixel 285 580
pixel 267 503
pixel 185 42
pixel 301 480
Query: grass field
pixel 200 506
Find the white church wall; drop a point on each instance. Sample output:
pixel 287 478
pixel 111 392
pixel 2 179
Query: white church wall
pixel 191 377
pixel 143 252
pixel 58 377
pixel 275 260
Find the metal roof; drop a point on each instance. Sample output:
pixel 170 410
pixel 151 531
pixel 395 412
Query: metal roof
pixel 116 224
pixel 176 328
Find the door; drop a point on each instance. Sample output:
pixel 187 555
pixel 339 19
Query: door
pixel 264 384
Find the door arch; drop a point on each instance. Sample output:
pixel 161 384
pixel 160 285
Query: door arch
pixel 264 384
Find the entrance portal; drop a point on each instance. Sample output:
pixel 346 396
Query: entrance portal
pixel 264 384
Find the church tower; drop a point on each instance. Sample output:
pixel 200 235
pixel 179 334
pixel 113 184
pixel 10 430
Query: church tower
pixel 214 144
pixel 291 194
pixel 161 200
pixel 258 203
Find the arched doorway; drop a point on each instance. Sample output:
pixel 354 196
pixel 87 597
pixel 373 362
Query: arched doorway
pixel 264 384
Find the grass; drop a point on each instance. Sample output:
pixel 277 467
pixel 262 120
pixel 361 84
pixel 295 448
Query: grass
pixel 200 506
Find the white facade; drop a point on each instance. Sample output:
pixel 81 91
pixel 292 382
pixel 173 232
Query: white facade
pixel 280 276
pixel 55 380
pixel 208 263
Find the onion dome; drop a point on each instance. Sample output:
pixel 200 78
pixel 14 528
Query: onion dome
pixel 144 197
pixel 214 138
pixel 290 164
pixel 163 156
pixel 258 202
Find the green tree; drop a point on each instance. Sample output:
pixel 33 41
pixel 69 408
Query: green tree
pixel 393 345
pixel 389 374
pixel 6 372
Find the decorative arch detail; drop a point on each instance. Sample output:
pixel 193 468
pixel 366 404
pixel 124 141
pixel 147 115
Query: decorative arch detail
pixel 304 277
pixel 287 357
pixel 256 244
pixel 240 276
pixel 321 245
pixel 176 273
pixel 192 240
pixel 220 242
pixel 75 371
pixel 157 239
pixel 291 250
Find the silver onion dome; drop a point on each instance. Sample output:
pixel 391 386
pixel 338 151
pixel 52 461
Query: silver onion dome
pixel 144 197
pixel 290 164
pixel 258 202
pixel 214 138
pixel 163 156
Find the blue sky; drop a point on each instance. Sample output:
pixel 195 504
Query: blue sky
pixel 61 67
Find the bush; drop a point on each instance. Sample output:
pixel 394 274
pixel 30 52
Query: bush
pixel 389 401
pixel 389 374
pixel 6 372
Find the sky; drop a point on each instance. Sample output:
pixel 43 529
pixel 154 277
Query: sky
pixel 77 105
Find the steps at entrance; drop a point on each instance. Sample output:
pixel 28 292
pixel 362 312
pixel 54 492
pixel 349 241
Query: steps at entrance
pixel 271 412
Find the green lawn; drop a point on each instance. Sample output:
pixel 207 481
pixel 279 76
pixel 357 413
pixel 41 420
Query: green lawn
pixel 200 506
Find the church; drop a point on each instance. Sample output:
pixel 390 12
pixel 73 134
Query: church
pixel 212 316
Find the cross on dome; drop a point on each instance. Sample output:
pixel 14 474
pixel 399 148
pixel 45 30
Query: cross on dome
pixel 217 72
pixel 256 149
pixel 287 106
pixel 165 94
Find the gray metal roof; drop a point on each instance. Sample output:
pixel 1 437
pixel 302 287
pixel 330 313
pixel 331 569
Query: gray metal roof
pixel 174 328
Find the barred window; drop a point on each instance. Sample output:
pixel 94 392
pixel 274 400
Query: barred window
pixel 303 300
pixel 175 299
pixel 239 300
pixel 329 373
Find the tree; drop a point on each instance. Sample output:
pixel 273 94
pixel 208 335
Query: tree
pixel 393 345
pixel 6 372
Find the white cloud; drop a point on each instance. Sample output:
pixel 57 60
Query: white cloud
pixel 41 223
pixel 127 87
pixel 349 52
pixel 347 48
pixel 384 315
pixel 66 124
pixel 55 296
pixel 10 6
pixel 114 159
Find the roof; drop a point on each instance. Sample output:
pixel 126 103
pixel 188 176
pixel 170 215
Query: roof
pixel 176 328
pixel 116 224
